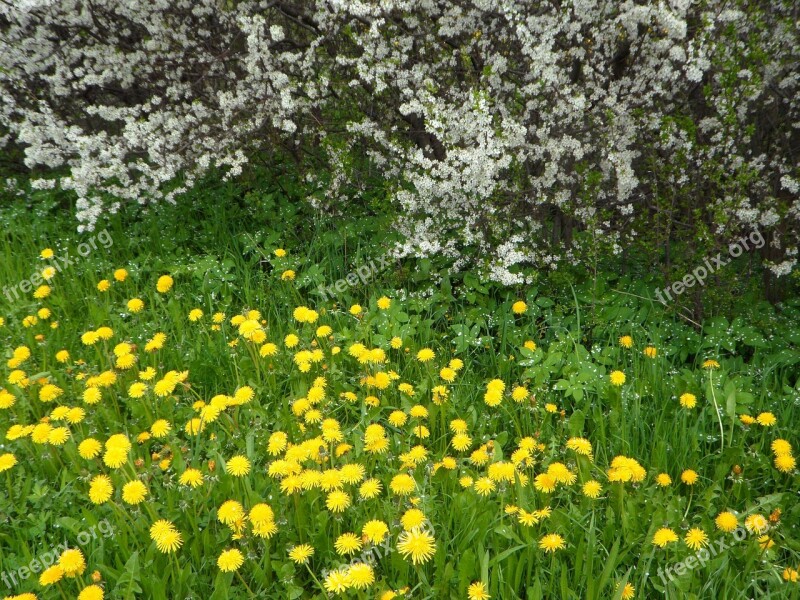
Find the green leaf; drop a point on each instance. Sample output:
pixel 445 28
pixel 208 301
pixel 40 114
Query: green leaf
pixel 128 582
pixel 576 423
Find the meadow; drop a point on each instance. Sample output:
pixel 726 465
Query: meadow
pixel 183 414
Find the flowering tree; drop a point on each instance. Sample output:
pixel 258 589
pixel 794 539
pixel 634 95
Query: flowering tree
pixel 522 133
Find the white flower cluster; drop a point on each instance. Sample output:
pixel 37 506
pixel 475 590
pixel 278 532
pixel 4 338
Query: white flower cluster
pixel 513 133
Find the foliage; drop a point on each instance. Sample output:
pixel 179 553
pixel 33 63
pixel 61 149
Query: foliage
pixel 505 135
pixel 218 265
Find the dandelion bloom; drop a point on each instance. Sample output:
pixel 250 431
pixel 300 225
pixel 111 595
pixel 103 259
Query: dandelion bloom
pixel 398 418
pixel 238 466
pixel 384 302
pixel 664 536
pixel 544 482
pixel 375 531
pixel 689 477
pixel 785 463
pixel 580 446
pixel 191 477
pixel 626 341
pixel 552 542
pixel 765 542
pixel 412 519
pixel 347 543
pixel 477 591
pixel 756 523
pixel 519 307
pixel 301 554
pixel 561 473
pixel 167 538
pixel 519 394
pixel 137 390
pixel 51 575
pixel 417 544
pixel 73 562
pixel 688 401
pixel 7 461
pixel 337 501
pixel 360 575
pixel 766 419
pixel 663 480
pixel 781 446
pixel 484 486
pixel 528 519
pixel 230 512
pixel 92 592
pixel 592 489
pixel 628 592
pixel 710 364
pixel 425 355
pixel 726 521
pixel 43 291
pixel 89 448
pixel 617 378
pixel 650 352
pixel 230 560
pixel 337 581
pixel 261 513
pixel 402 484
pixel 696 538
pixel 370 489
pixel 135 305
pixel 447 374
pixel 134 492
pixel 164 284
pixel 50 392
pixel 160 428
pixel 100 489
pixel 461 442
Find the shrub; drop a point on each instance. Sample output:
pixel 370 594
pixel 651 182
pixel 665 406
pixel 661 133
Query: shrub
pixel 506 134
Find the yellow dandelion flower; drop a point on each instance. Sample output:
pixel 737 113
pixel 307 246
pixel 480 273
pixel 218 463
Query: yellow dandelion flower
pixel 664 536
pixel 230 560
pixel 301 554
pixel 617 378
pixel 552 542
pixel 726 521
pixel 696 538
pixel 417 544
pixel 347 543
pixel 477 591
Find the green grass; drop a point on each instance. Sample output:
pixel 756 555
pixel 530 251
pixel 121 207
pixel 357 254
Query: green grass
pixel 220 253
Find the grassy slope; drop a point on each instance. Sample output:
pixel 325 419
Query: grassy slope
pixel 220 255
